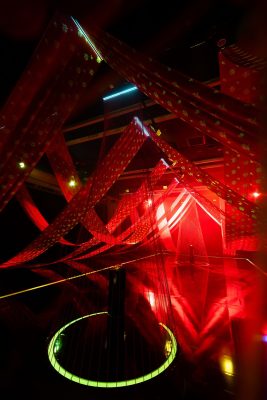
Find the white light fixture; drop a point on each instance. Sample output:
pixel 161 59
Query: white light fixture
pixel 88 40
pixel 22 165
pixel 72 183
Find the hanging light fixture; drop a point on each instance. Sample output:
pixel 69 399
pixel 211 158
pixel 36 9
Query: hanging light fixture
pixel 22 165
pixel 72 183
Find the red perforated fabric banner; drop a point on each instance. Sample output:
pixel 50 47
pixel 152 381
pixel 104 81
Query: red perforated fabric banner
pixel 137 231
pixel 27 203
pixel 49 60
pixel 126 207
pixel 147 228
pixel 243 175
pixel 128 204
pixel 24 198
pixel 36 129
pixel 26 139
pixel 188 170
pixel 241 77
pixel 63 167
pixel 69 182
pixel 111 167
pixel 225 119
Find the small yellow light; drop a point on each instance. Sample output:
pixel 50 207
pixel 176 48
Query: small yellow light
pixel 227 365
pixel 72 183
pixel 22 165
pixel 98 59
pixel 164 187
pixel 158 133
pixel 168 348
pixel 149 202
pixel 127 190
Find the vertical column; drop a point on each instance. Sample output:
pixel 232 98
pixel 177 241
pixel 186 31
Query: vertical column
pixel 115 328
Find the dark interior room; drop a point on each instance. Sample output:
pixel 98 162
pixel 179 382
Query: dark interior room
pixel 133 208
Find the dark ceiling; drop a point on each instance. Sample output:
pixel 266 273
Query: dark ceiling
pixel 183 34
pixel 169 33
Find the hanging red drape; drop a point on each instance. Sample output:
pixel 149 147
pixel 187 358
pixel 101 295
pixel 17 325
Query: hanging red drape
pixel 65 172
pixel 241 77
pixel 126 207
pixel 63 166
pixel 189 171
pixel 107 173
pixel 144 225
pixel 49 59
pixel 135 233
pixel 27 139
pixel 223 118
pixel 24 198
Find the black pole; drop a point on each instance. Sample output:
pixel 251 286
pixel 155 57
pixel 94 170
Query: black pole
pixel 115 328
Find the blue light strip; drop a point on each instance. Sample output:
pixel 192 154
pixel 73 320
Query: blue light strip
pixel 88 40
pixel 131 89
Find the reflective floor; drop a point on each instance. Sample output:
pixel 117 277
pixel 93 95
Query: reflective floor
pixel 214 306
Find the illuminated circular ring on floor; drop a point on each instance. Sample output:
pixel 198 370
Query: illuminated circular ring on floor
pixel 87 382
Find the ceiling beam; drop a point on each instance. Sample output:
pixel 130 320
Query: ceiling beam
pixel 48 182
pixel 44 181
pixel 115 131
pixel 113 114
pixel 117 113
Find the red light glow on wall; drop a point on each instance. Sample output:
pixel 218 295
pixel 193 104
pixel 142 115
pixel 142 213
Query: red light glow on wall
pixel 151 299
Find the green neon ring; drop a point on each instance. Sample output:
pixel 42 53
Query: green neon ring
pixel 87 382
